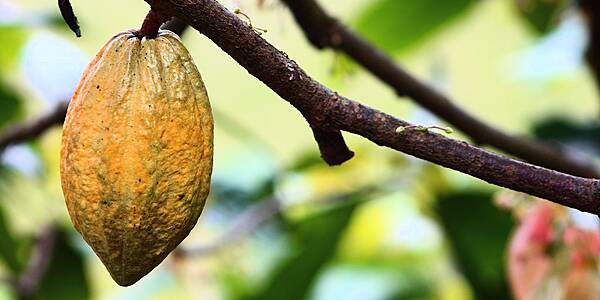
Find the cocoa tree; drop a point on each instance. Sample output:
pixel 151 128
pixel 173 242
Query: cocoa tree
pixel 538 168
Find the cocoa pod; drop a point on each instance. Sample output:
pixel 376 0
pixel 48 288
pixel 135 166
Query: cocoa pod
pixel 137 151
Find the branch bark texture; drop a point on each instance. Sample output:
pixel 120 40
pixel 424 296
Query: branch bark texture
pixel 324 31
pixel 326 110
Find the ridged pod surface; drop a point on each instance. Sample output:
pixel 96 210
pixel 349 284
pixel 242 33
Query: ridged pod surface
pixel 137 150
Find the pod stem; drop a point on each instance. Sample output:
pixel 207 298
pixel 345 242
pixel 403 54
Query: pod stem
pixel 151 24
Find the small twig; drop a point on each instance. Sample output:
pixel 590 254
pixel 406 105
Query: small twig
pixel 21 132
pixel 244 225
pixel 263 212
pixel 66 10
pixel 422 128
pixel 26 285
pixel 258 30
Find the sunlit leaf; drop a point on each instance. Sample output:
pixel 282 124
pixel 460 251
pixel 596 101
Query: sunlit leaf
pixel 396 25
pixel 478 233
pixel 11 40
pixel 318 237
pixel 66 277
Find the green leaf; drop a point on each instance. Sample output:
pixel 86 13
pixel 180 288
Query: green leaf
pixel 478 234
pixel 414 286
pixel 395 25
pixel 584 136
pixel 10 105
pixel 12 38
pixel 318 237
pixel 541 15
pixel 306 161
pixel 66 277
pixel 235 198
pixel 9 246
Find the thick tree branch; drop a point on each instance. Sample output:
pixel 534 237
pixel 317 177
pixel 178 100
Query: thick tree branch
pixel 323 31
pixel 22 132
pixel 175 25
pixel 325 109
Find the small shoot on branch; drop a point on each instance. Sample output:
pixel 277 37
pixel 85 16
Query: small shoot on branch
pixel 422 128
pixel 258 30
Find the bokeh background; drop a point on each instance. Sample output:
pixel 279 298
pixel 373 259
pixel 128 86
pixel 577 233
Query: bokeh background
pixel 279 223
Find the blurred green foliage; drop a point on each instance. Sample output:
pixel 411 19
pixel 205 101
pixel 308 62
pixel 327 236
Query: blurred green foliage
pixel 12 38
pixel 10 105
pixel 582 136
pixel 397 25
pixel 478 234
pixel 316 238
pixel 66 276
pixel 9 246
pixel 541 15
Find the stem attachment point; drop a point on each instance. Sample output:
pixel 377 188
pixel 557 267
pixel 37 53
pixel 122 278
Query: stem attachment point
pixel 151 24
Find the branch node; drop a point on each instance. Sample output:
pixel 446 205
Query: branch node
pixel 334 150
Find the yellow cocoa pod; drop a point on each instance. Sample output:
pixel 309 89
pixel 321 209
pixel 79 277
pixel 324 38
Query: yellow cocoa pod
pixel 137 150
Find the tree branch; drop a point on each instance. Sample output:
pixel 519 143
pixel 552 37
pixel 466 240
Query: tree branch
pixel 175 25
pixel 22 132
pixel 323 31
pixel 327 110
